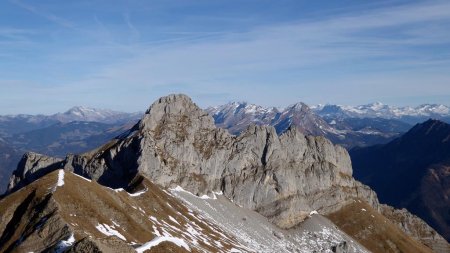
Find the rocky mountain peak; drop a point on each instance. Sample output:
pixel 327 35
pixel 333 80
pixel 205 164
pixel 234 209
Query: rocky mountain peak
pixel 300 106
pixel 175 108
pixel 172 103
pixel 430 131
pixel 87 112
pixel 431 123
pixel 78 109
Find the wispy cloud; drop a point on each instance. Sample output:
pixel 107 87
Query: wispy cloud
pixel 304 44
pixel 135 34
pixel 49 16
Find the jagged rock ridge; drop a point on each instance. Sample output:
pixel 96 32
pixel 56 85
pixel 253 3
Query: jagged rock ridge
pixel 349 132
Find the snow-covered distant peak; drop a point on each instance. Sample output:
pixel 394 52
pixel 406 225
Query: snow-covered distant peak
pixel 300 106
pixel 87 111
pixel 82 113
pixel 376 104
pixel 240 108
pixel 381 110
pixel 317 107
pixel 433 108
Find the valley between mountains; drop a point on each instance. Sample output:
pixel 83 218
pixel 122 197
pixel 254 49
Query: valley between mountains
pixel 174 181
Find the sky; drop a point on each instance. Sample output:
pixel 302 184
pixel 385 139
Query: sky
pixel 123 55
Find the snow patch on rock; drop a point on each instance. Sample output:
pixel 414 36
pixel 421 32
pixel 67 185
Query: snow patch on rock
pixel 178 241
pixel 109 231
pixel 60 178
pixel 65 244
pixel 138 193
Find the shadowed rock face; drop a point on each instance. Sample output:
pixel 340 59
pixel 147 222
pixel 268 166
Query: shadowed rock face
pixel 283 177
pixel 9 156
pixel 412 172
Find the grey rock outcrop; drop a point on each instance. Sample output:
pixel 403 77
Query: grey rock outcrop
pixel 107 245
pixel 31 167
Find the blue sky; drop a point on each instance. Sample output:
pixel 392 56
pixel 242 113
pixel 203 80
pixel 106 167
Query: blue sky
pixel 123 55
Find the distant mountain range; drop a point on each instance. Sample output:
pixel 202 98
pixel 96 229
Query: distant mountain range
pixel 14 124
pixel 237 116
pixel 406 114
pixel 341 128
pixel 412 171
pixel 75 131
pixel 72 137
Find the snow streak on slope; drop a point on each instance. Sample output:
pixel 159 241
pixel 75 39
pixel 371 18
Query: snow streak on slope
pixel 60 178
pixel 60 181
pixel 179 242
pixel 257 233
pixel 109 231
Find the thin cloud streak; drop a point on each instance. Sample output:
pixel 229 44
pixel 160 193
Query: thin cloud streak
pixel 135 34
pixel 299 45
pixel 49 16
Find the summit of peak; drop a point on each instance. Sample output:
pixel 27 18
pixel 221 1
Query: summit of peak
pixel 80 108
pixel 299 106
pixel 173 107
pixel 431 125
pixel 172 100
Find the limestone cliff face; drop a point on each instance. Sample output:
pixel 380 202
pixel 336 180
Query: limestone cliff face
pixel 176 143
pixel 282 177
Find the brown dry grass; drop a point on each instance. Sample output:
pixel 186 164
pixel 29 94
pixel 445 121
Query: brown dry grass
pixel 93 204
pixel 373 230
pixel 83 205
pixel 23 202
